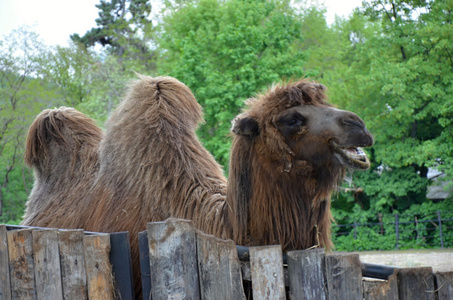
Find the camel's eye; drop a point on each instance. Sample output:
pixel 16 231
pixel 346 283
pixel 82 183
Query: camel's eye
pixel 293 120
pixel 291 123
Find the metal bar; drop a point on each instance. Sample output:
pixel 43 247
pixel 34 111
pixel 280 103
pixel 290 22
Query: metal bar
pixel 144 264
pixel 120 258
pixel 440 229
pixel 397 230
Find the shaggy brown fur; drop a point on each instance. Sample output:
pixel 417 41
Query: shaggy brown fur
pixel 153 166
pixel 61 148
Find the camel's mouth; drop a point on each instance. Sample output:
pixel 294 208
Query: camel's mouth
pixel 352 157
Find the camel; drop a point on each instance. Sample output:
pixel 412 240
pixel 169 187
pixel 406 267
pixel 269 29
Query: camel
pixel 290 150
pixel 61 148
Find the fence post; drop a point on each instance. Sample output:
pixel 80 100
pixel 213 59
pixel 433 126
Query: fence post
pixel 173 260
pixel 72 270
pixel 439 219
pixel 307 274
pixel 5 283
pixel 47 264
pixel 266 265
pixel 344 277
pixel 98 269
pixel 219 268
pixel 416 283
pixel 22 266
pixel 397 230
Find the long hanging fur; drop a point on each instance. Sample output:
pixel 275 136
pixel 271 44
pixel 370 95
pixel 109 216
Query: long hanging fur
pixel 61 148
pixel 277 200
pixel 153 166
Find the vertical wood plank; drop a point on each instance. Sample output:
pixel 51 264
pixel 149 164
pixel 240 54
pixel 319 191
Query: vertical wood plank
pixel 173 261
pixel 444 285
pixel 47 264
pixel 344 277
pixel 98 268
pixel 416 283
pixel 72 263
pixel 266 263
pixel 22 269
pixel 219 268
pixel 306 270
pixel 5 283
pixel 381 289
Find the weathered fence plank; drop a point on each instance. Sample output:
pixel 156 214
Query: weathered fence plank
pixel 416 283
pixel 266 264
pixel 219 268
pixel 381 289
pixel 173 260
pixel 98 268
pixel 72 264
pixel 5 283
pixel 47 264
pixel 344 277
pixel 22 269
pixel 306 270
pixel 444 285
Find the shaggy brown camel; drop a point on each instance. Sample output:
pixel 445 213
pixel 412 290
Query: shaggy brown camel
pixel 290 150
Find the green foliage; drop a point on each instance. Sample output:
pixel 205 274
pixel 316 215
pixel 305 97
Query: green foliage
pixel 226 51
pixel 22 95
pixel 15 193
pixel 108 81
pixel 124 28
pixel 68 68
pixel 418 228
pixel 396 73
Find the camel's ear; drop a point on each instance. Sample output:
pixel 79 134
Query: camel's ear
pixel 245 126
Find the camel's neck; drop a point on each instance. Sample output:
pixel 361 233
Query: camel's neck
pixel 270 206
pixel 289 209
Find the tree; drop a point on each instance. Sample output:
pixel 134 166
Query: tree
pixel 21 96
pixel 400 80
pixel 226 51
pixel 69 69
pixel 106 86
pixel 124 27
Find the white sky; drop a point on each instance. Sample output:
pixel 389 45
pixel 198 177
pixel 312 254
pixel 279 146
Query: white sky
pixel 56 20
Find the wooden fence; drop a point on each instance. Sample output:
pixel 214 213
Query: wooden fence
pixel 179 262
pixel 42 263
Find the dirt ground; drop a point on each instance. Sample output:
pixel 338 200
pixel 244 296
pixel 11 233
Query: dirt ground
pixel 441 260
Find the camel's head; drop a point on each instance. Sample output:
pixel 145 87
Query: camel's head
pixel 295 125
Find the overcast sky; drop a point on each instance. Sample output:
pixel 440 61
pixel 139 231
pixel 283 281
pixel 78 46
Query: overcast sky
pixel 56 20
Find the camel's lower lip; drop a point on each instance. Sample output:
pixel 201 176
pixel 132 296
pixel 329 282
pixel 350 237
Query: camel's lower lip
pixel 352 157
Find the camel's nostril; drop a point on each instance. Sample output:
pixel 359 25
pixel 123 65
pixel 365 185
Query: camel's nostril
pixel 354 122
